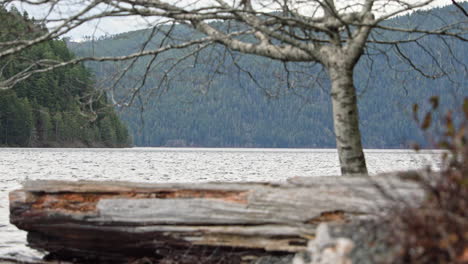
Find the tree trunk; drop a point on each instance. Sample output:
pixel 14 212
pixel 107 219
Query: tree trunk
pixel 346 121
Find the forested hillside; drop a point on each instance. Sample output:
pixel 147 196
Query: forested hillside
pixel 53 109
pixel 231 100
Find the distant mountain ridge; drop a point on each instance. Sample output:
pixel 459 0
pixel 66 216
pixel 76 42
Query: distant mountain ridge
pixel 234 112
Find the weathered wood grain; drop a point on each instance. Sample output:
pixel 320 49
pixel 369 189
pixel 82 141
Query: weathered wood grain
pixel 119 221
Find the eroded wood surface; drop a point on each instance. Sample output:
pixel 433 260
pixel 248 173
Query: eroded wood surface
pixel 122 221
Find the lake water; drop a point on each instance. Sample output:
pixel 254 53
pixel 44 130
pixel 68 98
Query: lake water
pixel 175 165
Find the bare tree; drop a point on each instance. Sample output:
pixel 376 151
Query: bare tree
pixel 332 33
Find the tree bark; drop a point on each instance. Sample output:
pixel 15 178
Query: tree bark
pixel 346 120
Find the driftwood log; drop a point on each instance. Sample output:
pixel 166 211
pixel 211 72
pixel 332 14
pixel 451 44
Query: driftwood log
pixel 121 222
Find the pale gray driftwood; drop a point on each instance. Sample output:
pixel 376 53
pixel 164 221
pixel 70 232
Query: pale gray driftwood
pixel 120 221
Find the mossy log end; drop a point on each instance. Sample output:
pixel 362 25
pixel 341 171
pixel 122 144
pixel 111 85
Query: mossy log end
pixel 117 222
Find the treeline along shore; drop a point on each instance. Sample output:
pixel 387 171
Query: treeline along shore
pixel 60 108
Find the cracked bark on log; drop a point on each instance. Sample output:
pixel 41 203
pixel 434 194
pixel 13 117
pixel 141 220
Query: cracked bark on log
pixel 115 222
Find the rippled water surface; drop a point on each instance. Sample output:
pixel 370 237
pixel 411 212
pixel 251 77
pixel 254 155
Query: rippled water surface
pixel 174 165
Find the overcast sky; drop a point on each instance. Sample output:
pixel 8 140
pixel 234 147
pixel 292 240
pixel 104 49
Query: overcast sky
pixel 111 26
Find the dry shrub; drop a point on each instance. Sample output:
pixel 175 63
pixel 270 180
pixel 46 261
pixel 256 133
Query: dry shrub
pixel 437 231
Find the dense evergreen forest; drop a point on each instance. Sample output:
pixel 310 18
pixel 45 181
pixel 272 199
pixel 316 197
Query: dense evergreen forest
pixel 52 109
pixel 227 99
